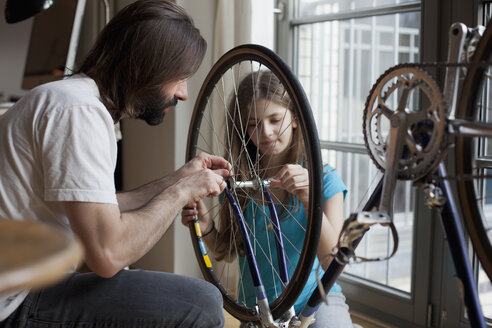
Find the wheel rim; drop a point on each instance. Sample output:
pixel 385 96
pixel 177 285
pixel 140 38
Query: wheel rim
pixel 474 187
pixel 212 124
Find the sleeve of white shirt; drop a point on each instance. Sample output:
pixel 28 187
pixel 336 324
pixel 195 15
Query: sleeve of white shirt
pixel 78 150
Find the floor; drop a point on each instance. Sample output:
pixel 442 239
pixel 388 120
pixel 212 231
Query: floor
pixel 361 320
pixel 231 322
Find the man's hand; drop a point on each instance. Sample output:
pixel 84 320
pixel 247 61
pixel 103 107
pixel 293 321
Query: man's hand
pixel 204 161
pixel 140 197
pixel 203 183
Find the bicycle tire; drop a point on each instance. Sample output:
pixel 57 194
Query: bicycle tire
pixel 228 69
pixel 470 149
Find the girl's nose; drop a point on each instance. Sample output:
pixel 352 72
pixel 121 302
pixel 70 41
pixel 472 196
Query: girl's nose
pixel 267 129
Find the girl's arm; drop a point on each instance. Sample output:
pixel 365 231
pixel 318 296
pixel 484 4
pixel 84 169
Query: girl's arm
pixel 330 228
pixel 294 178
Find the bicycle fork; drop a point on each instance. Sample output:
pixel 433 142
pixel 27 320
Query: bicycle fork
pixel 264 312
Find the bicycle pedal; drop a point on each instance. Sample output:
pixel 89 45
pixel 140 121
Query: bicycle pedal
pixel 371 218
pixel 355 227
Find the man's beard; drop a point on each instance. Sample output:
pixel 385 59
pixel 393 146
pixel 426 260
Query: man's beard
pixel 151 107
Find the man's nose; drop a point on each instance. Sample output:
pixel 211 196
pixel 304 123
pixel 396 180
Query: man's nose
pixel 181 92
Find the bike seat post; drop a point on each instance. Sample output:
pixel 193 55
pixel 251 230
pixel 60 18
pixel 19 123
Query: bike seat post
pixel 457 36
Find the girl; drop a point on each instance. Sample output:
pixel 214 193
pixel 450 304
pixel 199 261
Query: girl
pixel 274 147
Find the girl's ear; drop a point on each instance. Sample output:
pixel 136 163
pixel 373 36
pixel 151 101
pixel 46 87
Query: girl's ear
pixel 294 122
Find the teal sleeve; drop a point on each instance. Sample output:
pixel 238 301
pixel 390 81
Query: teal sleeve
pixel 332 183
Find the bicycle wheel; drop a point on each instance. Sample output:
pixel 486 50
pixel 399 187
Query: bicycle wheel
pixel 473 154
pixel 219 126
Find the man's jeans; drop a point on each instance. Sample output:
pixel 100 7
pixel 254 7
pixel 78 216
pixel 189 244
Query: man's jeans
pixel 132 298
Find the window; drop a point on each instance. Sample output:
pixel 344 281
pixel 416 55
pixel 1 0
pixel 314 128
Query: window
pixel 338 49
pixel 340 52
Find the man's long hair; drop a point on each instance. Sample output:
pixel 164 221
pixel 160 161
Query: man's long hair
pixel 146 45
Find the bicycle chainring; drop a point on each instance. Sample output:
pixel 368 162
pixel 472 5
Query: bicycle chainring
pixel 415 92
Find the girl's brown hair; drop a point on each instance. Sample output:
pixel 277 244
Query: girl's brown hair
pixel 256 86
pixel 146 45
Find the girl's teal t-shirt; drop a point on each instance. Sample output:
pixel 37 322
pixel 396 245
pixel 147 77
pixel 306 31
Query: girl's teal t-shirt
pixel 293 230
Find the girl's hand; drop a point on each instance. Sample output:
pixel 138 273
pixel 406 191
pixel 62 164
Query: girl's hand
pixel 199 208
pixel 295 179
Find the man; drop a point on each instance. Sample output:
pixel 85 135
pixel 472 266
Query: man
pixel 58 157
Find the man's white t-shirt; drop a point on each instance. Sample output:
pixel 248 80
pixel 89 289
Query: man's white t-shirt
pixel 57 144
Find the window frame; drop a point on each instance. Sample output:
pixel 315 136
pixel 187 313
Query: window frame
pixel 434 299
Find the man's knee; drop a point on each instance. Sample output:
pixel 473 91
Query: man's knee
pixel 212 302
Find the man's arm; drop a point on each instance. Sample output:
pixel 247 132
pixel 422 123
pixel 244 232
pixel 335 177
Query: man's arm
pixel 135 199
pixel 114 239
